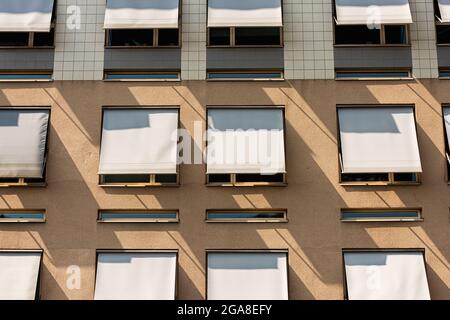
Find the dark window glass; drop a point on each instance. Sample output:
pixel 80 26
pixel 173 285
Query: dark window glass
pixel 395 34
pixel 250 215
pixel 219 178
pixel 443 34
pixel 356 35
pixel 260 177
pixel 383 215
pixel 131 37
pixel 166 178
pixel 444 73
pixel 365 177
pixel 9 180
pixel 219 36
pixel 44 39
pixel 257 36
pixel 141 76
pixel 20 76
pixel 168 37
pixel 133 215
pixel 22 215
pixel 34 180
pixel 14 39
pixel 126 178
pixel 405 177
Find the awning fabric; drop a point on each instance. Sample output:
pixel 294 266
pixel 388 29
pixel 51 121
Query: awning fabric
pixel 444 9
pixel 245 141
pixel 373 12
pixel 25 15
pixel 141 14
pixel 139 141
pixel 245 13
pixel 136 276
pixel 23 136
pixel 386 276
pixel 19 272
pixel 447 124
pixel 378 140
pixel 247 276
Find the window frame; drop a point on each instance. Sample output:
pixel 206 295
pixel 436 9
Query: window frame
pixel 368 250
pixel 232 182
pixel 152 177
pixel 245 71
pixel 446 142
pixel 142 72
pixel 381 210
pixel 247 220
pixel 392 181
pixel 26 72
pixel 382 38
pixel 370 70
pixel 21 182
pixel 137 211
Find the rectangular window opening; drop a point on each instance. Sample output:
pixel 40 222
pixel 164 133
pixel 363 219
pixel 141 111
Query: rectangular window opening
pixel 23 216
pixel 372 75
pixel 245 76
pixel 137 216
pixel 371 215
pixel 246 216
pixel 142 76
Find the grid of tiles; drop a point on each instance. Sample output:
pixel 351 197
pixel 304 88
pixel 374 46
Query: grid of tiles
pixel 423 39
pixel 308 35
pixel 79 40
pixel 193 52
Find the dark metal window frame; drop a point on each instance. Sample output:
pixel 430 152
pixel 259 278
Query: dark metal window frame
pixel 283 219
pixel 40 216
pixel 124 212
pixel 399 218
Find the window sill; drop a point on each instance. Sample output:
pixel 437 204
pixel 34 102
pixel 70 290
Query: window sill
pixel 246 80
pixel 248 184
pixel 375 79
pixel 27 48
pixel 246 46
pixel 138 221
pixel 408 45
pixel 23 185
pixel 22 221
pixel 350 184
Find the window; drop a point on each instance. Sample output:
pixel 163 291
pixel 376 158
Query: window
pixel 247 275
pixel 363 35
pixel 22 216
pixel 138 216
pixel 25 76
pixel 146 23
pixel 19 275
pixel 246 216
pixel 21 28
pixel 245 36
pixel 143 38
pixel 375 215
pixel 137 148
pixel 392 275
pixel 444 73
pixel 373 75
pixel 245 23
pixel 356 25
pixel 136 275
pixel 378 145
pixel 446 114
pixel 245 146
pixel 244 75
pixel 142 76
pixel 23 146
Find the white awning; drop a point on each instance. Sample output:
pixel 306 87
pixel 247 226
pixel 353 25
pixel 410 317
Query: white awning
pixel 245 13
pixel 19 273
pixel 136 276
pixel 444 9
pixel 25 15
pixel 378 140
pixel 373 12
pixel 245 141
pixel 386 276
pixel 141 14
pixel 23 136
pixel 247 276
pixel 139 141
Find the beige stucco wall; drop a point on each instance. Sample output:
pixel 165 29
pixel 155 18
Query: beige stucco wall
pixel 314 235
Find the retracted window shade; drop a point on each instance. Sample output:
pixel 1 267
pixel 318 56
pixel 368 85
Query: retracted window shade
pixel 245 13
pixel 141 14
pixel 373 12
pixel 25 15
pixel 19 272
pixel 444 9
pixel 136 276
pixel 378 140
pixel 139 141
pixel 247 276
pixel 386 276
pixel 23 136
pixel 447 124
pixel 245 141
